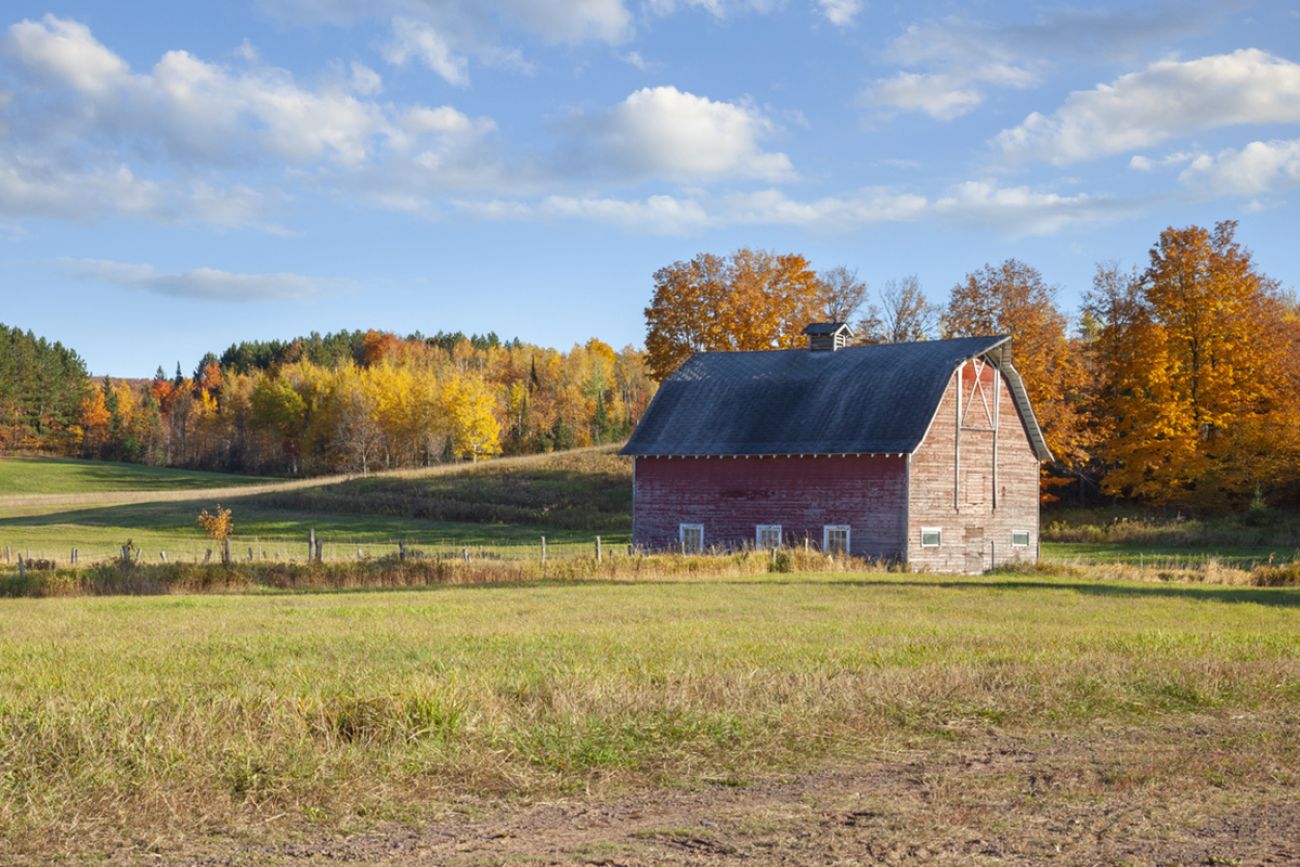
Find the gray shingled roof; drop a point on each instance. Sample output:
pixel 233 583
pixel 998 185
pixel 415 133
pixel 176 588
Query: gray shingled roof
pixel 859 400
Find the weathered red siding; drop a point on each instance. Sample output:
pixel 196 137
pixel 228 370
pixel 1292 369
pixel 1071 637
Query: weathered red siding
pixel 731 496
pixel 976 534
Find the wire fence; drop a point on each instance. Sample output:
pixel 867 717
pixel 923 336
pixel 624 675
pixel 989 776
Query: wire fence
pixel 314 548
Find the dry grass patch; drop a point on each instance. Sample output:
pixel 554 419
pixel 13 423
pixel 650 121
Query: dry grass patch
pixel 160 721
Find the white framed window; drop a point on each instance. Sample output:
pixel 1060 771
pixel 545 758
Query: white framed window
pixel 1019 538
pixel 931 537
pixel 835 539
pixel 767 536
pixel 691 537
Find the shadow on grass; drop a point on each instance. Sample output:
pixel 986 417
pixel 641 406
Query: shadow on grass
pixel 1284 597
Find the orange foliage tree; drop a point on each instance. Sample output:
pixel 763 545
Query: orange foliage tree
pixel 1202 366
pixel 748 300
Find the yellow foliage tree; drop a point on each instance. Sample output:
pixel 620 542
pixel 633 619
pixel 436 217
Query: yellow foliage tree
pixel 469 407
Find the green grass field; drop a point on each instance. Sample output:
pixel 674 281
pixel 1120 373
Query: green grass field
pixel 497 510
pixel 20 476
pixel 152 723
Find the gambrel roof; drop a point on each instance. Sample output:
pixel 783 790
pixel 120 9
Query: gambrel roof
pixel 858 400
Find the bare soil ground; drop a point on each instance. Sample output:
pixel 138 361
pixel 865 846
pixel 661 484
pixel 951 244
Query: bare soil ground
pixel 1194 791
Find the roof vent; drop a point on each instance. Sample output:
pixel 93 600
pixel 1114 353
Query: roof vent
pixel 828 336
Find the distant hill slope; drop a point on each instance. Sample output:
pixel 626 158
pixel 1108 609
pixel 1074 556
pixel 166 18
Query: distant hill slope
pixel 36 476
pixel 583 489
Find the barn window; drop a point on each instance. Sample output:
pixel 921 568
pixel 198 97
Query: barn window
pixel 691 537
pixel 767 536
pixel 835 539
pixel 931 537
pixel 1019 538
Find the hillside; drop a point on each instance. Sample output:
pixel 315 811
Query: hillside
pixel 584 489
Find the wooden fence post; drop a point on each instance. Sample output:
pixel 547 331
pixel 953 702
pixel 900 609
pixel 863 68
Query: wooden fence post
pixel 22 569
pixel 543 549
pixel 320 551
pixel 466 552
pixel 401 552
pixel 311 545
pixel 598 552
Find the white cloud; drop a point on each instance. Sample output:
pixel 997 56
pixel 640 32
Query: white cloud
pixel 1169 98
pixel 65 53
pixel 1259 167
pixel 950 64
pixel 568 20
pixel 1025 211
pixel 667 133
pixel 207 284
pixel 31 187
pixel 420 41
pixel 1015 211
pixel 840 12
pixel 365 80
pixel 1142 163
pixel 960 67
pixel 157 143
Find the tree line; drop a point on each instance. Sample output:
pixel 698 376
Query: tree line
pixel 357 401
pixel 41 386
pixel 1177 383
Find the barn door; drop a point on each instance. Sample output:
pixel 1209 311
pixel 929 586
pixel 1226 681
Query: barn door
pixel 975 550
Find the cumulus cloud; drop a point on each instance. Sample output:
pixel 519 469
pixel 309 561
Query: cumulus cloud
pixel 958 68
pixel 1259 167
pixel 420 41
pixel 668 133
pixel 945 95
pixel 205 284
pixel 86 134
pixel 840 12
pixel 1167 99
pixel 950 64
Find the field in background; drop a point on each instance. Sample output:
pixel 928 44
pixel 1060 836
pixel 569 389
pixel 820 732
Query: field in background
pixel 496 508
pixel 309 714
pixel 41 475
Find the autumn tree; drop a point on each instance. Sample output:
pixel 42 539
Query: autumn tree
pixel 748 300
pixel 469 405
pixel 1012 298
pixel 1203 379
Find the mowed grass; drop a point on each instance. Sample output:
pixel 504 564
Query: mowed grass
pixel 40 475
pixel 150 722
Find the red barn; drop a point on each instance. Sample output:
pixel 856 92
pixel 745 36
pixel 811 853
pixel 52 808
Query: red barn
pixel 926 453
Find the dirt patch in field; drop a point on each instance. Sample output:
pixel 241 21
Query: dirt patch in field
pixel 1208 791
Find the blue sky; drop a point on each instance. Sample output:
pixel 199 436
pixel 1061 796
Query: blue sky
pixel 177 177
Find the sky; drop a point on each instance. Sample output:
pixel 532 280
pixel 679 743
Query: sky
pixel 176 177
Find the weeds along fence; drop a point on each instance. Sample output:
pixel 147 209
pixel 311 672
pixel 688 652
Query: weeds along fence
pixel 144 578
pixel 313 548
pixel 316 548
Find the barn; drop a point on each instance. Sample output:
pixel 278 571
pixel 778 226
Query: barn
pixel 926 453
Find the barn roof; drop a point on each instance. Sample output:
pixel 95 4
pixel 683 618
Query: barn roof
pixel 858 400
